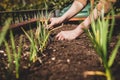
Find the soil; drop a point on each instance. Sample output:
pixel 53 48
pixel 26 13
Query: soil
pixel 62 60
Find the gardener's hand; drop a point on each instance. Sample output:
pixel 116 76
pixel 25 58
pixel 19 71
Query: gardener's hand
pixel 69 35
pixel 54 22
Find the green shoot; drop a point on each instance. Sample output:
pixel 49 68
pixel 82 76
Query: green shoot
pixel 15 57
pixel 113 54
pixel 4 30
pixel 40 38
pixel 42 34
pixel 100 36
pixel 8 55
pixel 33 46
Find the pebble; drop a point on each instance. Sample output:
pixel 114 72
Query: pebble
pixel 39 60
pixel 53 58
pixel 79 62
pixel 1 51
pixel 25 67
pixel 54 50
pixel 5 54
pixel 68 60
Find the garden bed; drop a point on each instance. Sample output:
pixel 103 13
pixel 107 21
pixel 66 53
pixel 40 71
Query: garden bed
pixel 62 60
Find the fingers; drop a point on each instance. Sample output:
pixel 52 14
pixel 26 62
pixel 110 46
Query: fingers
pixel 54 22
pixel 51 24
pixel 60 36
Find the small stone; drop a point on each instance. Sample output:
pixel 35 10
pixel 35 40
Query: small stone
pixel 5 54
pixel 39 60
pixel 49 62
pixel 79 62
pixel 25 67
pixel 14 61
pixel 68 60
pixel 1 51
pixel 54 50
pixel 53 58
pixel 25 58
pixel 6 67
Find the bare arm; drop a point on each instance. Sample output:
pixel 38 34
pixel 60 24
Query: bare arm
pixel 97 12
pixel 72 34
pixel 74 9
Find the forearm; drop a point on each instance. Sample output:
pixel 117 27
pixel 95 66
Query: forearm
pixel 102 5
pixel 74 9
pixel 85 24
pixel 88 20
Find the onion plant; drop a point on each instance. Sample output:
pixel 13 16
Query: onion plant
pixel 16 54
pixel 4 30
pixel 33 45
pixel 40 38
pixel 42 34
pixel 100 35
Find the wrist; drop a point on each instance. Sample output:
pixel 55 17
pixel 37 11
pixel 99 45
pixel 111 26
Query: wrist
pixel 63 18
pixel 79 29
pixel 60 20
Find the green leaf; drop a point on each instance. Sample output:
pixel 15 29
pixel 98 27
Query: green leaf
pixel 27 35
pixel 12 42
pixel 4 30
pixel 112 25
pixel 113 54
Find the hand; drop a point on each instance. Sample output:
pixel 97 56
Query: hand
pixel 69 35
pixel 54 22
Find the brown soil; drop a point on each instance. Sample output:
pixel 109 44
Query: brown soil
pixel 63 60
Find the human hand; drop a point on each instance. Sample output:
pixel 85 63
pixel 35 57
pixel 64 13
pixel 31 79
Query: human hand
pixel 69 35
pixel 54 22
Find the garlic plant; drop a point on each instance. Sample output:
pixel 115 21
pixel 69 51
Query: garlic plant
pixel 100 35
pixel 4 30
pixel 13 54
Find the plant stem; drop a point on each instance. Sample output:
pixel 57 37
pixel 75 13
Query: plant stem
pixel 108 74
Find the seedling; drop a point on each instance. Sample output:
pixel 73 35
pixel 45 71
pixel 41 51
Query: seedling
pixel 100 37
pixel 40 38
pixel 15 57
pixel 42 34
pixel 4 30
pixel 33 46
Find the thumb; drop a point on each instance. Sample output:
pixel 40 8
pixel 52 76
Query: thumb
pixel 51 25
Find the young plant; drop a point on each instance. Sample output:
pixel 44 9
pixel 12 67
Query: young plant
pixel 4 30
pixel 100 35
pixel 36 40
pixel 15 57
pixel 33 46
pixel 40 38
pixel 42 34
